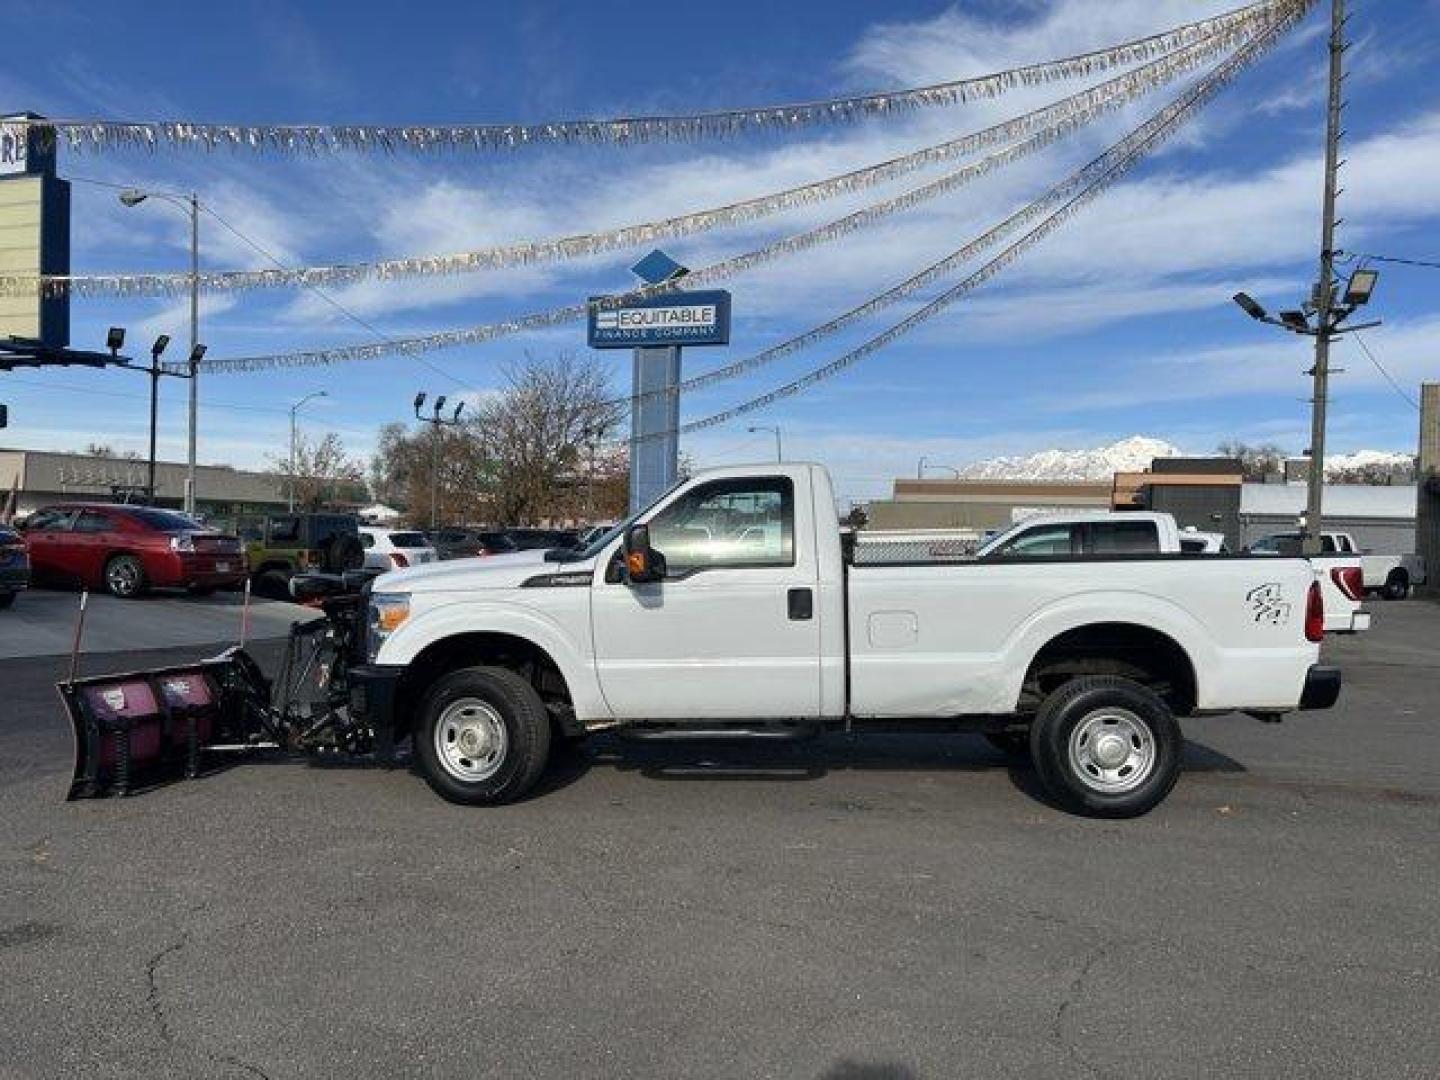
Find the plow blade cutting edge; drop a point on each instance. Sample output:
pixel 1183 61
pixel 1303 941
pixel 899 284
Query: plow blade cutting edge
pixel 141 728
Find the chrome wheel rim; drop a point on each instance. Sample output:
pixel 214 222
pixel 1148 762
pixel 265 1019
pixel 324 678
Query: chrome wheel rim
pixel 123 577
pixel 1112 751
pixel 471 740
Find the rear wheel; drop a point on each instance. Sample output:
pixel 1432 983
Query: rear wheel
pixel 1106 746
pixel 125 576
pixel 274 584
pixel 482 736
pixel 1397 585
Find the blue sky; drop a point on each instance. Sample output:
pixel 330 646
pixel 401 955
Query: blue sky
pixel 1118 324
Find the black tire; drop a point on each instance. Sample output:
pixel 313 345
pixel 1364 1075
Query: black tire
pixel 1013 744
pixel 273 584
pixel 341 552
pixel 1105 708
pixel 483 696
pixel 1397 585
pixel 7 599
pixel 201 590
pixel 124 576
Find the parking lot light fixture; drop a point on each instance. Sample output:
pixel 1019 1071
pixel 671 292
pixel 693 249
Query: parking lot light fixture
pixel 1250 306
pixel 161 344
pixel 773 429
pixel 1361 288
pixel 419 402
pixel 115 340
pixel 294 441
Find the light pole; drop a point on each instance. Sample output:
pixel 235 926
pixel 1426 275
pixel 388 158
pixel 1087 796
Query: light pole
pixel 1328 314
pixel 773 428
pixel 436 422
pixel 592 434
pixel 294 441
pixel 1322 306
pixel 191 205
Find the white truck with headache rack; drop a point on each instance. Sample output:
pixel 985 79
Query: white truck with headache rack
pixel 730 603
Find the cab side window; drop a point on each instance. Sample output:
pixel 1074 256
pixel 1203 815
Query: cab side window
pixel 91 522
pixel 48 520
pixel 1125 538
pixel 728 523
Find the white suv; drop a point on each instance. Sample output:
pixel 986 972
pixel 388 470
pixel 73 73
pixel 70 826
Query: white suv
pixel 395 549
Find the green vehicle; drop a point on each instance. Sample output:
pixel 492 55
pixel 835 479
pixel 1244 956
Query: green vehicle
pixel 280 546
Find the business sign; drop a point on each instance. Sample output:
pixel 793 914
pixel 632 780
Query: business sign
pixel 34 232
pixel 25 150
pixel 680 318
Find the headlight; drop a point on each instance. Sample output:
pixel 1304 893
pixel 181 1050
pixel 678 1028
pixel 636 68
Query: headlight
pixel 388 611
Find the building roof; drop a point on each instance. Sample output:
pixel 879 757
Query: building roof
pixel 1340 500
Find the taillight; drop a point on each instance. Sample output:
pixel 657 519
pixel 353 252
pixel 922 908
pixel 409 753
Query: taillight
pixel 1350 580
pixel 399 560
pixel 1315 614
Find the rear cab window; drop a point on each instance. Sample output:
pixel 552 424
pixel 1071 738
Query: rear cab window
pixel 1039 540
pixel 1124 538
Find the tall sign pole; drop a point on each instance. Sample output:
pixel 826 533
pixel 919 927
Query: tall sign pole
pixel 1325 287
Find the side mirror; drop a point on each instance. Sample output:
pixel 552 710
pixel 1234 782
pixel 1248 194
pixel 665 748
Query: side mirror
pixel 642 564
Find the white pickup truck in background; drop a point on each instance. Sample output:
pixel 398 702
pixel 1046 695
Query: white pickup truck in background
pixel 1134 532
pixel 731 608
pixel 1392 576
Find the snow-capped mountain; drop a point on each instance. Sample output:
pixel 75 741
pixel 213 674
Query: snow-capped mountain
pixel 1102 463
pixel 1379 460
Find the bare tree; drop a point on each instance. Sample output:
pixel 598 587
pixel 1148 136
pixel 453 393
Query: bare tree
pixel 542 436
pixel 322 472
pixel 1257 462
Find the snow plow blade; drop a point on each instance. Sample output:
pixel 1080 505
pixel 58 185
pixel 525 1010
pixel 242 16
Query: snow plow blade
pixel 139 729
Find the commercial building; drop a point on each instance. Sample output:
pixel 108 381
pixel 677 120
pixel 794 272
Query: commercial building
pixel 40 477
pixel 981 504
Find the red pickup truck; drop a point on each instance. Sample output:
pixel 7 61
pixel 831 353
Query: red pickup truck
pixel 127 549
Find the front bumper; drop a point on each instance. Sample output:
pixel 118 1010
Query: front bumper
pixel 1322 687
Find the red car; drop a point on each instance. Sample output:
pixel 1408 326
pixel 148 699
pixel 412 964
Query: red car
pixel 127 549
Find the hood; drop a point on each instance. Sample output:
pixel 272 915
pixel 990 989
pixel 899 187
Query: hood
pixel 480 572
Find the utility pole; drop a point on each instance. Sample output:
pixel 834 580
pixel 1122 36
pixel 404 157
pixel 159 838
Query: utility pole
pixel 1327 311
pixel 1325 288
pixel 196 352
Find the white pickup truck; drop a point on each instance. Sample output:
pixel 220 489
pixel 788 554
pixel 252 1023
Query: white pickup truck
pixel 731 607
pixel 1392 576
pixel 1137 532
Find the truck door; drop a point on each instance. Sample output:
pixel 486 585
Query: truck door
pixel 732 631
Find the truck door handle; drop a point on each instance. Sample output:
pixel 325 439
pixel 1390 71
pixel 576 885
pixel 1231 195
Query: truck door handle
pixel 801 603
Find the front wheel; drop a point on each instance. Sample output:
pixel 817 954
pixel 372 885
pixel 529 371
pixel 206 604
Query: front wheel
pixel 125 576
pixel 1106 746
pixel 482 736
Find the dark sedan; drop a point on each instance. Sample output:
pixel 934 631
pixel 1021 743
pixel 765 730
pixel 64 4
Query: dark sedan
pixel 529 539
pixel 14 566
pixel 462 543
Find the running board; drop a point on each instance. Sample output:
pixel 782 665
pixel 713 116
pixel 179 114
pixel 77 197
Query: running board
pixel 776 733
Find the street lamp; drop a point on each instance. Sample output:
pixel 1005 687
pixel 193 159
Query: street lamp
pixel 924 465
pixel 1319 318
pixel 773 428
pixel 436 421
pixel 294 440
pixel 191 205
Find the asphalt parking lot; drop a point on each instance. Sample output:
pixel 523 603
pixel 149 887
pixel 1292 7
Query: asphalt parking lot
pixel 42 621
pixel 860 909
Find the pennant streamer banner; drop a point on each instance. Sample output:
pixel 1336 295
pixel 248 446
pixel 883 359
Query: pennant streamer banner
pixel 1051 122
pixel 1115 163
pixel 100 134
pixel 718 271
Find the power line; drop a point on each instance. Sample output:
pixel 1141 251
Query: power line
pixel 72 388
pixel 1381 368
pixel 254 245
pixel 1365 257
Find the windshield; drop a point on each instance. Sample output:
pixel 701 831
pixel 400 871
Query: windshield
pixel 408 540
